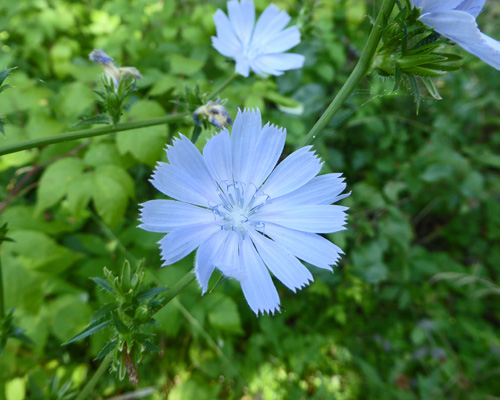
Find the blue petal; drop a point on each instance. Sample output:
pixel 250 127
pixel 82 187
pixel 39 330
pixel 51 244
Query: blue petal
pixel 458 26
pixel 217 156
pixel 473 7
pixel 311 248
pixel 309 218
pixel 290 271
pixel 429 6
pixel 182 241
pixel 282 41
pixel 293 172
pixel 184 155
pixel 268 151
pixel 275 64
pixel 176 183
pixel 270 23
pixel 226 41
pixel 258 287
pixel 166 215
pixel 323 189
pixel 242 18
pixel 488 51
pixel 204 265
pixel 244 136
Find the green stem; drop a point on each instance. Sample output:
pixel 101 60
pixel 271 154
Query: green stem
pixel 357 75
pixel 86 133
pixel 224 84
pixel 85 393
pixel 185 281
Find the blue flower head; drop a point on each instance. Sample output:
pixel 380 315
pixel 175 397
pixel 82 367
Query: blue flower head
pixel 260 47
pixel 456 20
pixel 246 215
pixel 112 72
pixel 215 112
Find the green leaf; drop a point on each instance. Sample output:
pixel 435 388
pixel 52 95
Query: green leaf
pixel 79 193
pixel 181 65
pixel 89 330
pixel 110 346
pixel 148 293
pixel 103 313
pixel 96 119
pixel 119 325
pixel 103 283
pixel 4 74
pixel 224 314
pixel 145 144
pixel 55 181
pixel 38 251
pixel 112 187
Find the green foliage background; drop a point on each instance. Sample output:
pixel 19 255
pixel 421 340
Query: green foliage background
pixel 410 313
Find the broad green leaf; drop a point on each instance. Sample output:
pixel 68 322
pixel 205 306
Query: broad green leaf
pixel 111 190
pixel 181 65
pixel 70 313
pixel 37 251
pixel 79 193
pixel 145 144
pixel 56 179
pixel 223 314
pixel 103 153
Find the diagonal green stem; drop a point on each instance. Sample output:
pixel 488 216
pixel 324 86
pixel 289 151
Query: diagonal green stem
pixel 359 72
pixel 85 393
pixel 223 85
pixel 185 281
pixel 86 133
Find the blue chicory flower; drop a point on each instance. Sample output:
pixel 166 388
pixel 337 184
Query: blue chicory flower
pixel 257 47
pixel 113 73
pixel 215 112
pixel 456 20
pixel 245 216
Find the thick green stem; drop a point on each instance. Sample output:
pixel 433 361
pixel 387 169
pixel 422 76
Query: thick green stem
pixel 224 84
pixel 85 393
pixel 86 133
pixel 185 281
pixel 357 75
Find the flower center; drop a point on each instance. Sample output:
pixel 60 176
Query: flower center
pixel 239 203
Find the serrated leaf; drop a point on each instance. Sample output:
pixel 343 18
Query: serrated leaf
pixel 103 283
pixel 145 144
pixel 104 313
pixel 89 330
pixel 96 119
pixel 110 193
pixel 4 74
pixel 55 180
pixel 79 193
pixel 119 325
pixel 108 347
pixel 148 293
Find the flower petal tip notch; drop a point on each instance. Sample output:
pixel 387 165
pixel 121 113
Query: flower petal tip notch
pixel 247 215
pixel 258 47
pixel 456 20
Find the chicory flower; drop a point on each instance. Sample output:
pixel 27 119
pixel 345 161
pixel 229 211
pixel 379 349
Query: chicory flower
pixel 246 216
pixel 456 20
pixel 113 73
pixel 260 47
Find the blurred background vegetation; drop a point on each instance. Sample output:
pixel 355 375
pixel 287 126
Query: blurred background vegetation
pixel 412 310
